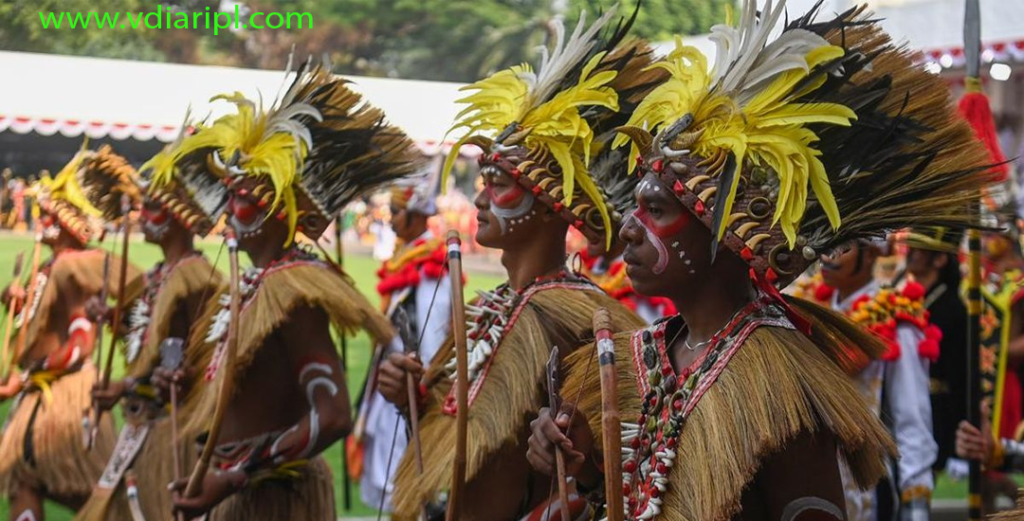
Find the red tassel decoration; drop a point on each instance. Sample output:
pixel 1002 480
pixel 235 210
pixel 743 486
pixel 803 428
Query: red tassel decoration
pixel 975 109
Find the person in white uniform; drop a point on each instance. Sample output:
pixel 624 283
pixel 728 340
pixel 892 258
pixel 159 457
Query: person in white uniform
pixel 414 281
pixel 896 386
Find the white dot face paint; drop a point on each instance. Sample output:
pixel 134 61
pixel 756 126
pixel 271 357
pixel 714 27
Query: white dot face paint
pixel 662 263
pixel 515 215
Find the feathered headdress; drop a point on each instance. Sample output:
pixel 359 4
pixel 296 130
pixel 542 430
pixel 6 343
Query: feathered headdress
pixel 790 147
pixel 175 177
pixel 935 238
pixel 318 148
pixel 64 198
pixel 106 178
pixel 418 192
pixel 544 128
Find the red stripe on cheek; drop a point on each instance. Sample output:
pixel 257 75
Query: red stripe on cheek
pixel 509 199
pixel 158 217
pixel 666 230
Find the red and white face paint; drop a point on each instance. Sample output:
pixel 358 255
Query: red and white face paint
pixel 246 216
pixel 156 220
pixel 658 234
pixel 510 205
pixel 50 226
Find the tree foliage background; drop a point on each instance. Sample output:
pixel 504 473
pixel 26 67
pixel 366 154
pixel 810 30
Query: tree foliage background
pixel 452 40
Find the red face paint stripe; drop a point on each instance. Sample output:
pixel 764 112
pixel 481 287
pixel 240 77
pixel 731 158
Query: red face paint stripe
pixel 663 231
pixel 508 199
pixel 158 217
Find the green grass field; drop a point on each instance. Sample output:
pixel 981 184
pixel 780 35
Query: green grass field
pixel 361 268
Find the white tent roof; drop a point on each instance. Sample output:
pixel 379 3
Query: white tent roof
pixel 122 99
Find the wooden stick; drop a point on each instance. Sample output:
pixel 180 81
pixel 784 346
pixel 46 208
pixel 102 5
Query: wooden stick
pixel 554 385
pixel 122 282
pixel 346 481
pixel 93 430
pixel 411 345
pixel 974 394
pixel 9 323
pixel 228 367
pixel 115 324
pixel 414 427
pixel 175 452
pixel 33 280
pixel 611 425
pixel 972 63
pixel 455 499
pixel 563 484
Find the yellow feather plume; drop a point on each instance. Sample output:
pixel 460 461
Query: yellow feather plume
pixel 768 131
pixel 555 126
pixel 278 156
pixel 65 186
pixel 161 167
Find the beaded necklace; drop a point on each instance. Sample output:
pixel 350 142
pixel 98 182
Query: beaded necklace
pixel 650 446
pixel 140 315
pixel 248 283
pixel 490 319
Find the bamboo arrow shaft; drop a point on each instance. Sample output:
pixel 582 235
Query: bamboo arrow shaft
pixel 122 283
pixel 33 281
pixel 93 426
pixel 227 371
pixel 414 429
pixel 611 424
pixel 455 499
pixel 9 323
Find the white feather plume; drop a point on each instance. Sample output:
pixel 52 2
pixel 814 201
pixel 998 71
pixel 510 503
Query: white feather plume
pixel 554 66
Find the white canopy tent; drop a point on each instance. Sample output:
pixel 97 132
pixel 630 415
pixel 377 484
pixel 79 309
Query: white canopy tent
pixel 144 101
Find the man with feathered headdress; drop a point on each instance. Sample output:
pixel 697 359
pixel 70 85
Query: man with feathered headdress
pixel 416 296
pixel 542 134
pixel 41 452
pixel 283 172
pixel 790 147
pixel 157 322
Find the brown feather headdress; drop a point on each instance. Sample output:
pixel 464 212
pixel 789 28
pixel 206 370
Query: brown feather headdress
pixel 315 150
pixel 791 147
pixel 548 129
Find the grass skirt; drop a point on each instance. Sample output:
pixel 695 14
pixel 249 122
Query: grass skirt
pixel 62 467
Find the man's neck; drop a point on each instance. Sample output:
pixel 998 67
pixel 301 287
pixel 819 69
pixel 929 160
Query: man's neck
pixel 176 247
pixel 928 280
pixel 414 234
pixel 266 256
pixel 855 284
pixel 707 308
pixel 63 245
pixel 541 257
